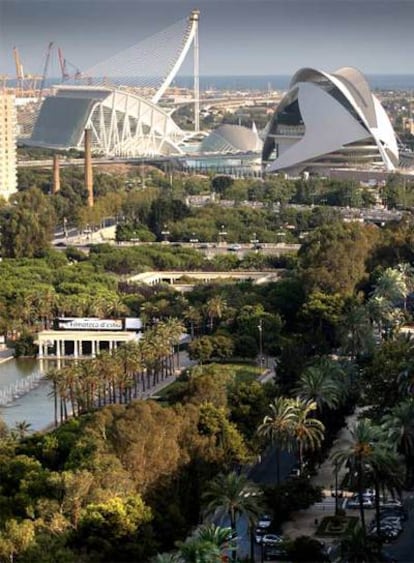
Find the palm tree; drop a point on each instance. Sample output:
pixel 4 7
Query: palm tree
pixel 385 469
pixel 356 549
pixel 215 308
pixel 208 544
pixel 399 423
pixel 194 550
pixel 235 495
pixel 319 384
pixel 307 431
pixel 356 329
pixel 277 427
pixel 23 428
pixel 391 285
pixel 357 454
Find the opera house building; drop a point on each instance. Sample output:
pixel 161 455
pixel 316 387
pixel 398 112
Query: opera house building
pixel 326 121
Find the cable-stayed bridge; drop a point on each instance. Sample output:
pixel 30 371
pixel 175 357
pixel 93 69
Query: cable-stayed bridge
pixel 118 99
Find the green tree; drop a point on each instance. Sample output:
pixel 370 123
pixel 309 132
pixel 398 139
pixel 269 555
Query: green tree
pixel 307 431
pixel 235 495
pixel 358 454
pixel 399 423
pixel 27 224
pixel 277 427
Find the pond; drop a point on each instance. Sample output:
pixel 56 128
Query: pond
pixel 32 403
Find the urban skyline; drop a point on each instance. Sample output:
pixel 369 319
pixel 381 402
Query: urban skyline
pixel 248 37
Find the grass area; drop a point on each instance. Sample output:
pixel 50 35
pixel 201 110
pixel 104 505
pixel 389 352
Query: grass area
pixel 336 526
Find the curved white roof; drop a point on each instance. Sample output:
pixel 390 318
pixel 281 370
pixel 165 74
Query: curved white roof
pixel 122 123
pixel 231 138
pixel 329 120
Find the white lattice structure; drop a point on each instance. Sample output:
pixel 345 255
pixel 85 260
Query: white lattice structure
pixel 119 103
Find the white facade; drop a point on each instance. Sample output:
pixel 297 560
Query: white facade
pixel 8 170
pixel 329 121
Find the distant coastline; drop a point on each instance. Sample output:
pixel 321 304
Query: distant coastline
pixel 281 82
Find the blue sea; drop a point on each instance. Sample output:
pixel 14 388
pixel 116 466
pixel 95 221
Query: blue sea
pixel 281 82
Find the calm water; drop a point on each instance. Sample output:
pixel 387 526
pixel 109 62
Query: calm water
pixel 36 407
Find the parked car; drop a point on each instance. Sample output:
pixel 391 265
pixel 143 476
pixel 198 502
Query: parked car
pixel 272 539
pixel 353 502
pixel 262 527
pixel 390 503
pixel 388 532
pixel 394 511
pixel 234 247
pixel 264 521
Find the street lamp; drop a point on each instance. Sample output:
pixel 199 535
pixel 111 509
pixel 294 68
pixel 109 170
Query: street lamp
pixel 193 238
pixel 254 240
pixel 222 234
pixel 260 327
pixel 165 233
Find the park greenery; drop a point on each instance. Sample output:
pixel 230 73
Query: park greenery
pixel 127 479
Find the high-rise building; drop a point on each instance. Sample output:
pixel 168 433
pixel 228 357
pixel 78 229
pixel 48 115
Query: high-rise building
pixel 8 170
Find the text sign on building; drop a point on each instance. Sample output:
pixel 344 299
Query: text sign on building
pixel 90 324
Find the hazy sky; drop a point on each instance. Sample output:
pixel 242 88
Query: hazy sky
pixel 237 37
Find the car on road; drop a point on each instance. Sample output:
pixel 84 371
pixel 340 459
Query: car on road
pixel 353 502
pixel 234 247
pixel 263 524
pixel 272 539
pixel 398 511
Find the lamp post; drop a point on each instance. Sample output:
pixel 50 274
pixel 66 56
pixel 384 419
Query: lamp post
pixel 254 240
pixel 222 235
pixel 165 233
pixel 260 327
pixel 193 239
pixel 336 488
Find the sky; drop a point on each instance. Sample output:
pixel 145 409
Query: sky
pixel 237 37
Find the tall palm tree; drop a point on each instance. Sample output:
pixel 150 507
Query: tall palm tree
pixel 208 544
pixel 399 423
pixel 356 549
pixel 235 495
pixel 307 431
pixel 23 428
pixel 319 384
pixel 215 308
pixel 277 427
pixel 358 453
pixel 391 285
pixel 356 329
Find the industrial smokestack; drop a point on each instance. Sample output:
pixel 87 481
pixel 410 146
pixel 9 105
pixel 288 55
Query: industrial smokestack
pixel 88 167
pixel 56 174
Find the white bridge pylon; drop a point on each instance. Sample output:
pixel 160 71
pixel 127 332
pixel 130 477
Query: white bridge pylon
pixel 153 63
pixel 192 39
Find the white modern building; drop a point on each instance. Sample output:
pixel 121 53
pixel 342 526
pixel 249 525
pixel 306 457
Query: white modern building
pixel 329 120
pixel 8 158
pixel 122 124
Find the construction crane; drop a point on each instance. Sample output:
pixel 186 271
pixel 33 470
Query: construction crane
pixel 64 68
pixel 45 69
pixel 19 68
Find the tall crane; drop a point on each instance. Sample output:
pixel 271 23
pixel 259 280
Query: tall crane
pixel 19 68
pixel 45 69
pixel 64 68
